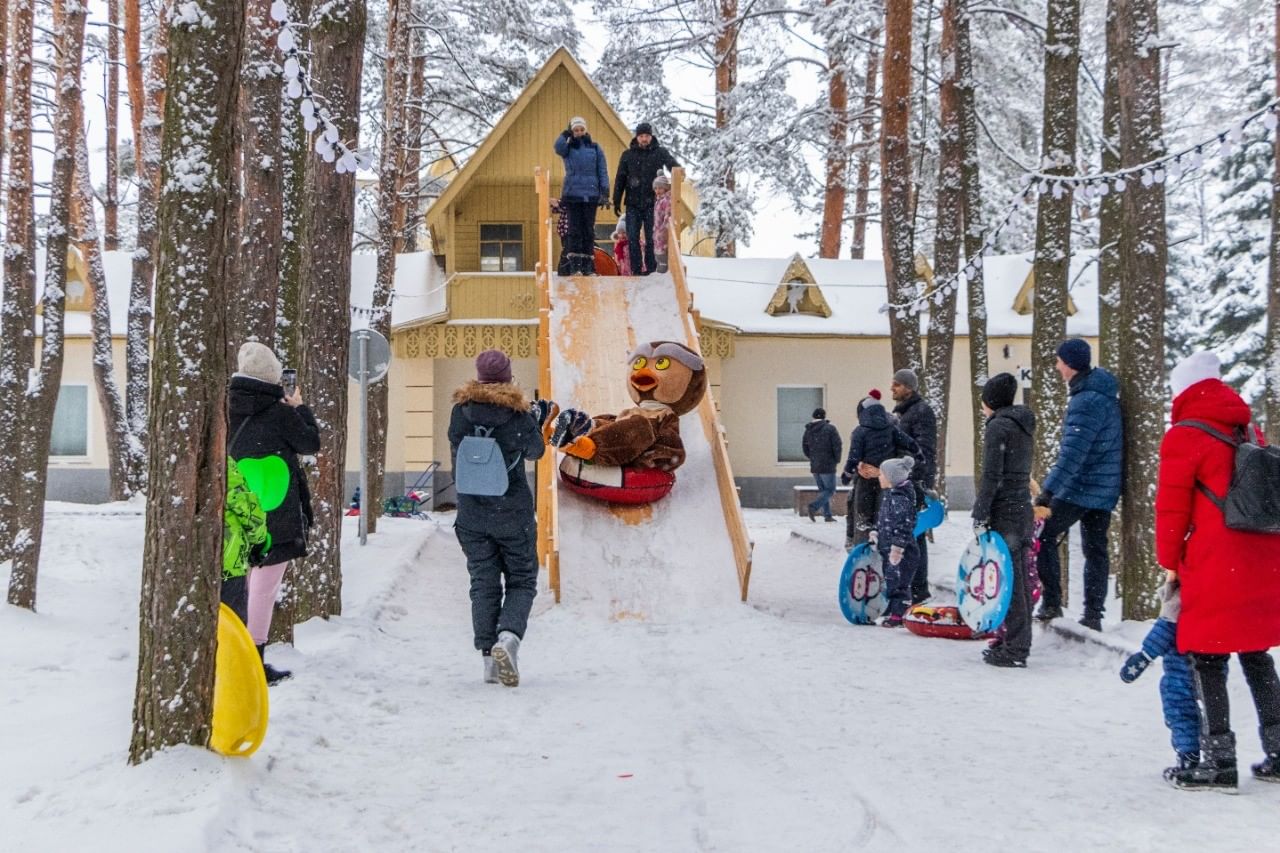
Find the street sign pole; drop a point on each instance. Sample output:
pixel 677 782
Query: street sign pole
pixel 365 506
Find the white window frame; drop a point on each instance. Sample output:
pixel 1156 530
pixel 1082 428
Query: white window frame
pixel 789 463
pixel 88 425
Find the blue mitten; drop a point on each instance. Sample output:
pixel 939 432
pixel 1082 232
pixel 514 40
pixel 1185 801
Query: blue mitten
pixel 542 409
pixel 570 425
pixel 1134 666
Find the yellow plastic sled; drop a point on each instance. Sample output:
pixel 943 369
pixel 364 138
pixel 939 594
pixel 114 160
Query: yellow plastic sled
pixel 239 690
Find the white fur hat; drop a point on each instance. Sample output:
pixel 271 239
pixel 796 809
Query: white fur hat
pixel 1196 367
pixel 259 362
pixel 577 121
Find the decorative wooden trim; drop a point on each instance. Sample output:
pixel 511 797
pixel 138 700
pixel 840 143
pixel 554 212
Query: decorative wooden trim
pixel 716 341
pixel 809 301
pixel 442 340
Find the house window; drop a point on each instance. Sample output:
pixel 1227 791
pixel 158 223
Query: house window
pixel 70 436
pixel 795 409
pixel 501 248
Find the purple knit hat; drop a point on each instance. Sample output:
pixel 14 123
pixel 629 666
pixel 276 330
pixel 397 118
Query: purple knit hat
pixel 493 366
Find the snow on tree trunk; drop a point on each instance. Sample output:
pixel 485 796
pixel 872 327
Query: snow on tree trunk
pixel 895 183
pixel 866 150
pixel 1053 227
pixel 833 199
pixel 726 67
pixel 122 451
pixel 138 340
pixel 946 244
pixel 4 72
pixel 293 161
pixel 110 196
pixel 1143 250
pixel 1271 391
pixel 974 237
pixel 182 558
pixel 251 313
pixel 42 394
pixel 337 44
pixel 18 309
pixel 395 87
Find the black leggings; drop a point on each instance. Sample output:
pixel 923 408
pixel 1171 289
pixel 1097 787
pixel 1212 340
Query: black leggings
pixel 1211 690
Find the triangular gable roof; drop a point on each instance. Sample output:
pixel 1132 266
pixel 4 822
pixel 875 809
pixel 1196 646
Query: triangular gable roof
pixel 793 298
pixel 1024 302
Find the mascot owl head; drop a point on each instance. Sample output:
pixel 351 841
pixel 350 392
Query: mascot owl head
pixel 669 373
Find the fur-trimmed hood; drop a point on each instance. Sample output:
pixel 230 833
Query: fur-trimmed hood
pixel 506 395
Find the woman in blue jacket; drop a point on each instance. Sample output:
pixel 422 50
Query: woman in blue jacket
pixel 586 187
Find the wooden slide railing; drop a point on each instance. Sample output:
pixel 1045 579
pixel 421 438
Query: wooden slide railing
pixel 548 495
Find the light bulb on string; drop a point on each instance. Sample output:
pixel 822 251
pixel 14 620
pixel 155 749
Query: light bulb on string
pixel 1269 119
pixel 1147 177
pixel 291 67
pixel 1103 188
pixel 1158 175
pixel 279 11
pixel 1119 185
pixel 322 145
pixel 309 123
pixel 1057 189
pixel 294 89
pixel 1175 168
pixel 1227 147
pixel 330 133
pixel 1236 134
pixel 1197 158
pixel 285 40
pixel 307 107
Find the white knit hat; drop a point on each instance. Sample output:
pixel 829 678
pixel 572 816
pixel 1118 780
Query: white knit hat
pixel 257 361
pixel 1196 367
pixel 576 121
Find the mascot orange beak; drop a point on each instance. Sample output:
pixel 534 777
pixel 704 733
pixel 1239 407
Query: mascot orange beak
pixel 644 380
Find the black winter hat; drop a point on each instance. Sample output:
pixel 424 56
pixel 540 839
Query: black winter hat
pixel 819 414
pixel 1000 391
pixel 1076 354
pixel 644 127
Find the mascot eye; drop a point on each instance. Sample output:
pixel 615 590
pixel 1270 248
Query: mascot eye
pixel 662 363
pixel 639 363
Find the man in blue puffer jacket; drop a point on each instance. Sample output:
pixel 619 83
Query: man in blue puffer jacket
pixel 1084 484
pixel 586 187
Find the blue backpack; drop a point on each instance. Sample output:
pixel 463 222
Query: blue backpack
pixel 479 468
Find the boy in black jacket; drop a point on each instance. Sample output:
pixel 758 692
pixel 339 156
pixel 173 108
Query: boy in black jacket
pixel 895 535
pixel 874 440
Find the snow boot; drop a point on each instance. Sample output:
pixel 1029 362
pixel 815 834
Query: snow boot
pixel 1186 761
pixel 504 654
pixel 1216 772
pixel 812 514
pixel 490 670
pixel 274 676
pixel 1048 614
pixel 1268 770
pixel 1001 656
pixel 1093 623
pixel 829 518
pixel 891 621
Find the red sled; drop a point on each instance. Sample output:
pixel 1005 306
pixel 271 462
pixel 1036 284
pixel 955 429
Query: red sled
pixel 945 622
pixel 610 484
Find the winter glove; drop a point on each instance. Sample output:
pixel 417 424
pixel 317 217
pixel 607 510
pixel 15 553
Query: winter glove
pixel 617 209
pixel 845 478
pixel 570 425
pixel 1171 600
pixel 543 409
pixel 980 527
pixel 895 555
pixel 567 133
pixel 1045 499
pixel 1134 666
pixel 873 537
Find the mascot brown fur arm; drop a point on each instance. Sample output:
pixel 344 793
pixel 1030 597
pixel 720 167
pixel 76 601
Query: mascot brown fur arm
pixel 638 439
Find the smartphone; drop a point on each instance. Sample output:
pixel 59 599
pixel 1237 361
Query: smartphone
pixel 289 379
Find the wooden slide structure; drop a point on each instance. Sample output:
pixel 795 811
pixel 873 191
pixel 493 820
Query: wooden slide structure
pixel 643 559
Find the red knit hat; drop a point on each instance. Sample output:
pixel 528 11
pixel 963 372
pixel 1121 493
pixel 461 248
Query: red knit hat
pixel 874 392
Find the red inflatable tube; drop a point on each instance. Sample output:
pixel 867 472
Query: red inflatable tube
pixel 630 486
pixel 944 622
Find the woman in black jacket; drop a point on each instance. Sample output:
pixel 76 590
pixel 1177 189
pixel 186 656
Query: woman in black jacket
pixel 267 432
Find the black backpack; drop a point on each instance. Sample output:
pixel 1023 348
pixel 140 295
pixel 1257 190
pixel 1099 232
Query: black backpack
pixel 1252 501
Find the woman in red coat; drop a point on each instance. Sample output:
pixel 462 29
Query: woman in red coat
pixel 1230 580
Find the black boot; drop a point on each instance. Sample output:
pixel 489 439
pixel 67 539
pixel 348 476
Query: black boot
pixel 1268 770
pixel 1002 656
pixel 274 676
pixel 1186 761
pixel 1048 614
pixel 1215 772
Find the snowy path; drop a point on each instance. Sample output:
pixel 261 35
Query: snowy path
pixel 771 726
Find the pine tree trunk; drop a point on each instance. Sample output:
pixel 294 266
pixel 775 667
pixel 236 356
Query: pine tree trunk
pixel 138 341
pixel 922 127
pixel 1110 235
pixel 182 557
pixel 726 57
pixel 18 308
pixel 1144 255
pixel 337 44
pixel 293 161
pixel 1053 227
pixel 110 200
pixel 251 313
pixel 1271 405
pixel 4 73
pixel 946 245
pixel 396 85
pixel 42 395
pixel 866 146
pixel 411 180
pixel 833 199
pixel 121 450
pixel 970 214
pixel 895 183
pixel 133 73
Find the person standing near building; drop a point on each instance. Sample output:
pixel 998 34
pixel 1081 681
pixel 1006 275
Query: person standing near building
pixel 1084 484
pixel 586 187
pixel 822 447
pixel 916 418
pixel 637 170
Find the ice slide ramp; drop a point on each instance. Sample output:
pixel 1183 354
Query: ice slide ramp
pixel 688 549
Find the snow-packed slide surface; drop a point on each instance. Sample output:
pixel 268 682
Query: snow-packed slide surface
pixel 646 562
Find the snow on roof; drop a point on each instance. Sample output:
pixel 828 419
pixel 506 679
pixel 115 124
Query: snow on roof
pixel 736 291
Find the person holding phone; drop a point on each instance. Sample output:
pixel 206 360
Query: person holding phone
pixel 269 427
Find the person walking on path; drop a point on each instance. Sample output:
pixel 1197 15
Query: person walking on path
pixel 637 170
pixel 586 187
pixel 1003 505
pixel 822 447
pixel 498 534
pixel 1230 579
pixel 916 418
pixel 268 431
pixel 874 440
pixel 1084 484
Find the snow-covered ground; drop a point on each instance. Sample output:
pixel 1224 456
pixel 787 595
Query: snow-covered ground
pixel 768 726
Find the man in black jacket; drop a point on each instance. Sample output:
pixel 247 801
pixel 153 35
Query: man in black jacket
pixel 499 534
pixel 1003 505
pixel 637 168
pixel 822 447
pixel 916 418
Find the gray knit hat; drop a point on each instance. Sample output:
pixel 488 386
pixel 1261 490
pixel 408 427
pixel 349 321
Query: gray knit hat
pixel 259 362
pixel 898 470
pixel 906 376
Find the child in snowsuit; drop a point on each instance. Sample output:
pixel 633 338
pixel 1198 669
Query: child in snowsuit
pixel 244 540
pixel 1177 689
pixel 895 535
pixel 661 219
pixel 875 439
pixel 620 251
pixel 562 231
